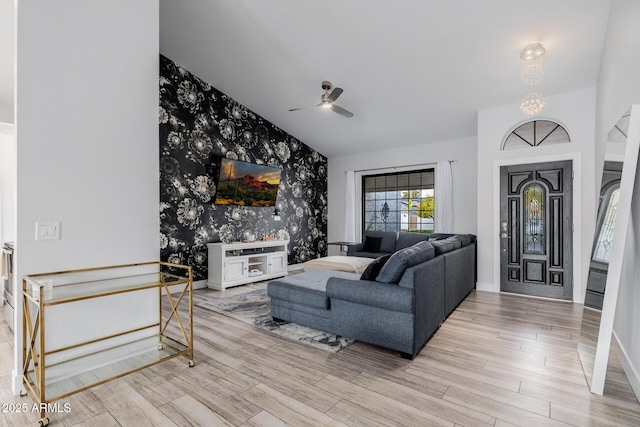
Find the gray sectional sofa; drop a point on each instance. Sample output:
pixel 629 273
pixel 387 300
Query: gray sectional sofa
pixel 401 308
pixel 378 243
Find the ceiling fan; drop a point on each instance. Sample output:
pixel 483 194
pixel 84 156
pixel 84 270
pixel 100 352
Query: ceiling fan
pixel 328 100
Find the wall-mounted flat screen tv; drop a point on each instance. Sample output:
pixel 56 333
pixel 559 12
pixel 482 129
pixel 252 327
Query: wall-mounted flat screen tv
pixel 247 184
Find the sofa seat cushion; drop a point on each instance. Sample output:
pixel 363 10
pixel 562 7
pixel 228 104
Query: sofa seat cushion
pixel 352 264
pixel 306 288
pixel 408 257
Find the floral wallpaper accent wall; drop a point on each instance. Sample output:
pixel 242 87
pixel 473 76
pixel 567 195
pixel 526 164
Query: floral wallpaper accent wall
pixel 198 122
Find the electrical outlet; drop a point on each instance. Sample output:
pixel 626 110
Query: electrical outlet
pixel 48 230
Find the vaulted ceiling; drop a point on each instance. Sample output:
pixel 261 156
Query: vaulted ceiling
pixel 413 71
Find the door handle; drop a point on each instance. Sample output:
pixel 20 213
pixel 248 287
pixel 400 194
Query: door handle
pixel 503 227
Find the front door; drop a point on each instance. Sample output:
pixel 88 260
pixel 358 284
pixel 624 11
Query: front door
pixel 536 256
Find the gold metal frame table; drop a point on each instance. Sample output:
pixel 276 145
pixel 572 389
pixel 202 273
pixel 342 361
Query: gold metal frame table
pixel 51 374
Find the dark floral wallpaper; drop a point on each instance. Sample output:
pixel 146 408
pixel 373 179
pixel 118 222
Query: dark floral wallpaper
pixel 198 122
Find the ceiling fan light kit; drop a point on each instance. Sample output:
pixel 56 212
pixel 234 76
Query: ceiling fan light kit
pixel 327 100
pixel 531 75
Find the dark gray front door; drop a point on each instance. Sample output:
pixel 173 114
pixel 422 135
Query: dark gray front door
pixel 536 256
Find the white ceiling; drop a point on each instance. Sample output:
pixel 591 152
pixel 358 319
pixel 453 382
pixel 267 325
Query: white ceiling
pixel 413 71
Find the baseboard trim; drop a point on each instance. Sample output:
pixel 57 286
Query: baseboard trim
pixel 627 366
pixel 488 287
pixel 294 267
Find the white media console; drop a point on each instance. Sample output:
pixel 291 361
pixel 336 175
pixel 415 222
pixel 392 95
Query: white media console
pixel 238 263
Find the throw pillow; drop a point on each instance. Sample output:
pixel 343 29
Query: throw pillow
pixel 442 246
pixel 464 239
pixel 457 244
pixel 371 244
pixel 374 267
pixel 394 268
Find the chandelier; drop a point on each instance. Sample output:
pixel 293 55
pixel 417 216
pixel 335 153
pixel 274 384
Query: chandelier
pixel 532 73
pixel 532 104
pixel 532 70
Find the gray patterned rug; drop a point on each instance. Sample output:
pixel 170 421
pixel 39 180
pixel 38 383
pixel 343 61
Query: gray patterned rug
pixel 253 307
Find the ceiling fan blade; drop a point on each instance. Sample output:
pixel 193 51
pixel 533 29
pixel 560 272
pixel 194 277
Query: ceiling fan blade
pixel 341 111
pixel 335 94
pixel 303 108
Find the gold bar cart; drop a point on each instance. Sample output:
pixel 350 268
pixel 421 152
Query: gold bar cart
pixel 51 374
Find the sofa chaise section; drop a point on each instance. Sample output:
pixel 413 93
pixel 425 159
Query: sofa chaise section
pixel 301 298
pixel 399 316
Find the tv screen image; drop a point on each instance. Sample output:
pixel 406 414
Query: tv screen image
pixel 247 184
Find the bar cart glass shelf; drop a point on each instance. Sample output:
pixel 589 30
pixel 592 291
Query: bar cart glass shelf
pixel 77 363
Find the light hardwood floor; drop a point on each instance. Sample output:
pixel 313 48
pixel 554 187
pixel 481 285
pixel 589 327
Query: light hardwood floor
pixel 499 360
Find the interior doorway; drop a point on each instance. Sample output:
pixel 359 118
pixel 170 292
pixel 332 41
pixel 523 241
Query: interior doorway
pixel 536 229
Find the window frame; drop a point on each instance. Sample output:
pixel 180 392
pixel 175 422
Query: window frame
pixel 364 175
pixel 536 142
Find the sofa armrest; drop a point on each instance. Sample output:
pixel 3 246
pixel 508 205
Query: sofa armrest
pixel 369 293
pixel 355 248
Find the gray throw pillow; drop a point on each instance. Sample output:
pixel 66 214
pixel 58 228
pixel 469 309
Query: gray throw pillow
pixel 464 239
pixel 408 257
pixel 442 246
pixel 457 244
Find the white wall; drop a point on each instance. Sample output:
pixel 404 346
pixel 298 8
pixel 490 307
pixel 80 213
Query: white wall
pixel 463 153
pixel 7 54
pixel 7 183
pixel 87 135
pixel 6 113
pixel 618 88
pixel 576 111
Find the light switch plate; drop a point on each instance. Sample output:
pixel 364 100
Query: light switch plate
pixel 49 230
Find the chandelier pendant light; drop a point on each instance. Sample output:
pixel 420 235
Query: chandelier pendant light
pixel 532 73
pixel 532 104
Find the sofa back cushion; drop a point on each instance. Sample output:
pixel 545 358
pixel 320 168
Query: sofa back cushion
pixel 406 239
pixel 388 242
pixel 408 257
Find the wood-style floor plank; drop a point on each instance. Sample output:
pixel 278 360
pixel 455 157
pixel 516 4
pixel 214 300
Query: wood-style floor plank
pixel 499 360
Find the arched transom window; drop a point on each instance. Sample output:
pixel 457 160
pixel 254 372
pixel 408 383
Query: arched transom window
pixel 534 133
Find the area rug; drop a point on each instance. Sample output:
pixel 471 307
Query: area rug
pixel 253 308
